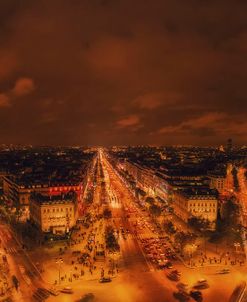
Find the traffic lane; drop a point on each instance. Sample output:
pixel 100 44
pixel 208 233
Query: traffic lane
pixel 214 291
pixel 21 258
pixel 220 285
pixel 126 224
pixel 120 212
pixel 150 287
pixel 153 286
pixel 17 261
pixel 140 220
pixel 137 222
pixel 119 290
pixel 133 257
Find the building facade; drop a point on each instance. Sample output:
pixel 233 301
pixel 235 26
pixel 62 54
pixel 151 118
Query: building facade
pixel 202 205
pixel 217 182
pixel 54 214
pixel 18 191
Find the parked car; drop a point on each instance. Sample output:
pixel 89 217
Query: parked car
pixel 173 277
pixel 169 265
pixel 181 296
pixel 182 287
pixel 87 298
pixel 201 284
pixel 196 295
pixel 105 280
pixel 224 271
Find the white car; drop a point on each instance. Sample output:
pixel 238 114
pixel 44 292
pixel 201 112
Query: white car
pixel 67 290
pixel 224 271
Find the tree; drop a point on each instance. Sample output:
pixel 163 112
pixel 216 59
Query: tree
pixel 15 282
pixel 155 210
pixel 111 240
pixel 199 224
pixel 235 178
pixel 107 213
pixel 89 197
pixel 230 212
pixel 216 237
pixel 140 192
pixel 150 200
pixel 183 239
pixel 169 227
pixel 227 226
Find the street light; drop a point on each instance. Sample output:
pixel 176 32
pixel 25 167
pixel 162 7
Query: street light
pixel 237 245
pixel 191 249
pixel 59 262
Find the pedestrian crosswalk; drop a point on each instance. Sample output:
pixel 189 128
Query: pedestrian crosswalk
pixel 11 250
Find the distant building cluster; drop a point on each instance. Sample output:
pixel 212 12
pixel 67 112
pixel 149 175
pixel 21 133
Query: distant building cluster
pixel 45 185
pixel 189 178
pixel 39 182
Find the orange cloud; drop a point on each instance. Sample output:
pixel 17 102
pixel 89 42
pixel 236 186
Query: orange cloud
pixel 4 100
pixel 213 123
pixel 210 120
pixel 23 86
pixel 154 100
pixel 128 121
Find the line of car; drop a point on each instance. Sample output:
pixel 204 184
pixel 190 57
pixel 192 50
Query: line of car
pixel 158 253
pixel 185 292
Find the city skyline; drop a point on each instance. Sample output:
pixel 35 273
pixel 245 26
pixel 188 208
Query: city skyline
pixel 122 73
pixel 123 224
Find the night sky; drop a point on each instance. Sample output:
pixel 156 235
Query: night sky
pixel 111 72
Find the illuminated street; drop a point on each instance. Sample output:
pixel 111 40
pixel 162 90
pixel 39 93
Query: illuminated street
pixel 123 152
pixel 136 268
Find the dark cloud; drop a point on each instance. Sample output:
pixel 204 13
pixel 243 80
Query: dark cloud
pixel 123 72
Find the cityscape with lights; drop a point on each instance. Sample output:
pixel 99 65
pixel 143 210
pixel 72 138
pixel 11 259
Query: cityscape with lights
pixel 123 151
pixel 126 223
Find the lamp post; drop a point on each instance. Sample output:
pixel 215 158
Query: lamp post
pixel 237 245
pixel 59 262
pixel 191 248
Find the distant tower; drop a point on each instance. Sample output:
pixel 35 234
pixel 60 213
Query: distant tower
pixel 229 145
pixel 221 148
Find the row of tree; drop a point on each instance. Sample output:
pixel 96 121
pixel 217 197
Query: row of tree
pixel 111 240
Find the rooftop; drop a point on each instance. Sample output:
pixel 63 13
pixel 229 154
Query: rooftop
pixel 70 197
pixel 198 193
